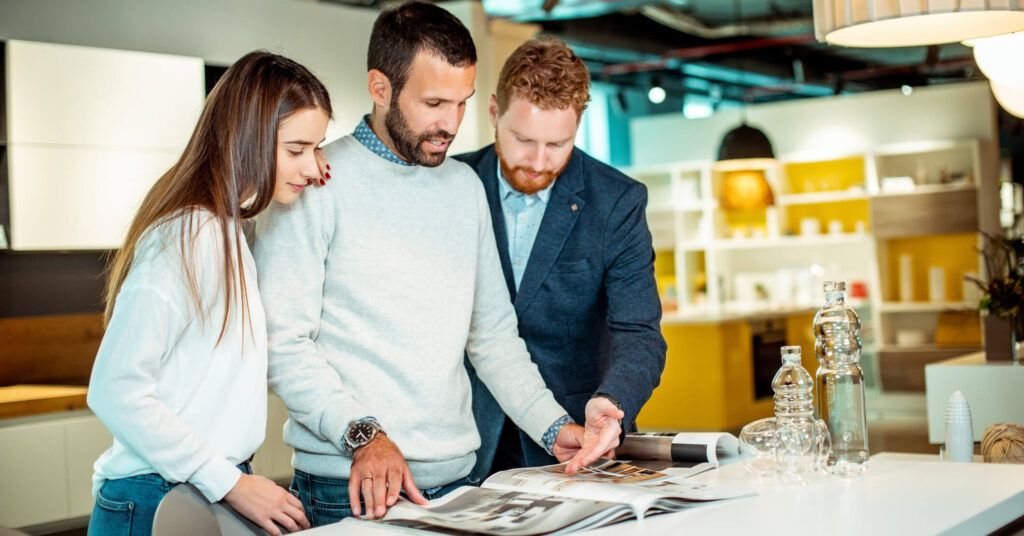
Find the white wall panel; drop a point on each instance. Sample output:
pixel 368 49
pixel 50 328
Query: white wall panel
pixel 65 197
pixel 826 127
pixel 70 95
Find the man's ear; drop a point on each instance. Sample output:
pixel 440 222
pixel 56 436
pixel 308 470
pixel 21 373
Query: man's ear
pixel 379 88
pixel 493 109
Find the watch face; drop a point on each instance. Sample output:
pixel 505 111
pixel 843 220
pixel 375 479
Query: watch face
pixel 362 432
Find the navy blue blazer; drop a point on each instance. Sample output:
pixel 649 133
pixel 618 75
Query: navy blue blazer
pixel 588 305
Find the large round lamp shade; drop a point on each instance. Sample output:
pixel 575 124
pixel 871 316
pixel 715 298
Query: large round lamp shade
pixel 1000 57
pixel 1011 98
pixel 899 23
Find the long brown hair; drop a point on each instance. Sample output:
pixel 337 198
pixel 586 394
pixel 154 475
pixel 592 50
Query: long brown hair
pixel 228 168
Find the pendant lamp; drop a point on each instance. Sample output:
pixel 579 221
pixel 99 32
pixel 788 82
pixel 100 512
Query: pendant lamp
pixel 1011 98
pixel 744 147
pixel 999 57
pixel 901 23
pixel 743 156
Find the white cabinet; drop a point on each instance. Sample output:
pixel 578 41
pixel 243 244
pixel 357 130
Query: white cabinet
pixel 68 197
pixel 88 132
pixel 46 463
pixel 33 469
pixel 86 438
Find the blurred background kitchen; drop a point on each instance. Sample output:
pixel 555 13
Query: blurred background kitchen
pixel 877 166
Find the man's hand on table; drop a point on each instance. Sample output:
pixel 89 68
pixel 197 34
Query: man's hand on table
pixel 582 445
pixel 379 471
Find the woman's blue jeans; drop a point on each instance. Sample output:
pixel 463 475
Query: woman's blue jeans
pixel 126 506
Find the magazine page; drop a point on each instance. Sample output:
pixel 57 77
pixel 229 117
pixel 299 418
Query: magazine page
pixel 472 510
pixel 680 448
pixel 608 480
pixel 674 469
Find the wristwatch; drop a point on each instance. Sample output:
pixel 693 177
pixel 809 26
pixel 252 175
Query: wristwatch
pixel 361 432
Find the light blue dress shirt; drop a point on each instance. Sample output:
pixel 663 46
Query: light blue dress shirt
pixel 523 214
pixel 369 139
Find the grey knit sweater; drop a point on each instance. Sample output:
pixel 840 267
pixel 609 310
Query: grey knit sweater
pixel 374 286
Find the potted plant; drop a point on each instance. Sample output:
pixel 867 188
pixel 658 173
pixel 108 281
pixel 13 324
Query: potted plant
pixel 1003 301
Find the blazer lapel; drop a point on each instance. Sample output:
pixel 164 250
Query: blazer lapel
pixel 564 208
pixel 488 173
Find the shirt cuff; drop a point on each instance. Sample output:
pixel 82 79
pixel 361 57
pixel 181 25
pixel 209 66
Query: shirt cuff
pixel 549 437
pixel 215 478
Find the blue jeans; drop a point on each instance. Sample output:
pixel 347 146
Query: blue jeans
pixel 326 500
pixel 126 506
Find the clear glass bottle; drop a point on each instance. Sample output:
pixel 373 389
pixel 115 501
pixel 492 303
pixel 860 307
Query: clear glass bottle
pixel 840 382
pixel 795 425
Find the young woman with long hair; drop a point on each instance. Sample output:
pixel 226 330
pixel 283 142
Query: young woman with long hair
pixel 180 379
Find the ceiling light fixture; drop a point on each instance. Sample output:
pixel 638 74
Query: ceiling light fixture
pixel 899 23
pixel 1011 98
pixel 999 57
pixel 744 147
pixel 656 94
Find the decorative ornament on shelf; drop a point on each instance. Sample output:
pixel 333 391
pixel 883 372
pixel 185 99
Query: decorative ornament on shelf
pixel 899 23
pixel 1003 443
pixel 1003 299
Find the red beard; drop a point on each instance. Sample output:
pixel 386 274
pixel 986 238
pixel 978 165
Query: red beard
pixel 519 181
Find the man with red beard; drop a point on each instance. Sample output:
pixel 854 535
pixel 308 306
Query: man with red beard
pixel 376 287
pixel 575 250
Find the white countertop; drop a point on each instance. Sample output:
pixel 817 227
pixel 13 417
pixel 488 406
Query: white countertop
pixel 709 315
pixel 899 495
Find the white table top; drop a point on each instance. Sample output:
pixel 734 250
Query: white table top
pixel 898 495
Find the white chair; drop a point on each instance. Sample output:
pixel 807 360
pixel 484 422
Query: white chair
pixel 185 511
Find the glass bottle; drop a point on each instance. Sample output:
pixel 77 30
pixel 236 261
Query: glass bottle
pixel 840 382
pixel 795 425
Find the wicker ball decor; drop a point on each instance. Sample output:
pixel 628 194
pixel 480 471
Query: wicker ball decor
pixel 1003 443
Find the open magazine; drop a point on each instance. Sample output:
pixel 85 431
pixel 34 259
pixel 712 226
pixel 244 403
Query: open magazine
pixel 544 500
pixel 679 454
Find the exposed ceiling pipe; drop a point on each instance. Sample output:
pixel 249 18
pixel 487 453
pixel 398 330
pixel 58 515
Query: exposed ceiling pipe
pixel 687 24
pixel 703 52
pixel 879 72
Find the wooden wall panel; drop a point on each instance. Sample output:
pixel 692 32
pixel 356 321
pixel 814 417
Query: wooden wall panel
pixel 917 214
pixel 903 370
pixel 49 349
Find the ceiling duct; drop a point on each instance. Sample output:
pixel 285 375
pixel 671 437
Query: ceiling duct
pixel 685 23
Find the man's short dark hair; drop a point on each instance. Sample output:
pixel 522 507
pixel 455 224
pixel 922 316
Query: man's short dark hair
pixel 400 33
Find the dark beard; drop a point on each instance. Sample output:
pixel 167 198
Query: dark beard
pixel 408 144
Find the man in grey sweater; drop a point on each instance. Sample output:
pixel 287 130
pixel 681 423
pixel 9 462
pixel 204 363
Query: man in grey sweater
pixel 376 286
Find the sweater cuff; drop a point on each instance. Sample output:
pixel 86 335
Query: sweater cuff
pixel 334 425
pixel 215 478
